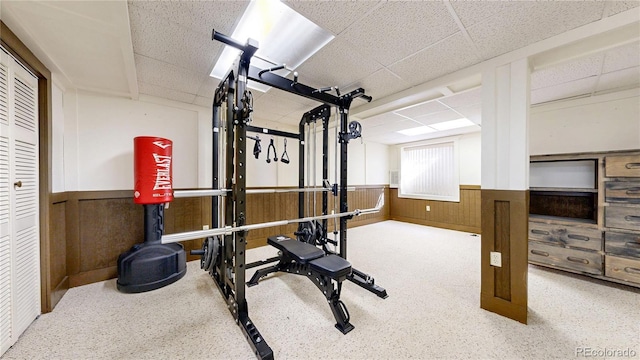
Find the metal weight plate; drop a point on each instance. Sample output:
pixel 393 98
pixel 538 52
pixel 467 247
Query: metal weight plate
pixel 207 258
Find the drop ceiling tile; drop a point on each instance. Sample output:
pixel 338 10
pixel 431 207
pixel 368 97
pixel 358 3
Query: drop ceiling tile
pixel 621 58
pixel 422 109
pixel 438 117
pixel 378 85
pixel 472 12
pixel 334 16
pixel 165 93
pixel 567 72
pixel 440 59
pixel 563 91
pixel 471 112
pixel 470 97
pixel 337 64
pixel 382 119
pixel 627 78
pixel 400 29
pixel 208 87
pixel 615 7
pixel 528 22
pixel 168 76
pixel 204 101
pixel 200 16
pixel 278 104
pixel 171 43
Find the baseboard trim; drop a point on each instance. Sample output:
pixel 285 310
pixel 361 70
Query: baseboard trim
pixel 457 227
pixel 92 276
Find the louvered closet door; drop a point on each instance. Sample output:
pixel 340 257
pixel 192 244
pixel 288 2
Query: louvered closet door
pixel 19 215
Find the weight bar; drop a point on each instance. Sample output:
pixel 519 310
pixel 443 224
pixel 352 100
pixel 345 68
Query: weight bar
pixel 199 234
pixel 223 192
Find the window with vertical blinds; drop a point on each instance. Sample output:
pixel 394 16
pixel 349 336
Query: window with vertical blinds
pixel 430 171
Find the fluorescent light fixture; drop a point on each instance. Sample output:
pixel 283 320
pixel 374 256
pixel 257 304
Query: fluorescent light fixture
pixel 416 131
pixel 453 124
pixel 283 35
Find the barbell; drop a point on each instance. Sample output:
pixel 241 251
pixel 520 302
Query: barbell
pixel 228 230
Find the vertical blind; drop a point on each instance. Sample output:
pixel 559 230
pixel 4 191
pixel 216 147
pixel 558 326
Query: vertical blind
pixel 429 171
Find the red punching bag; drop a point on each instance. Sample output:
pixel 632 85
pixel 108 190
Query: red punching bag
pixel 152 170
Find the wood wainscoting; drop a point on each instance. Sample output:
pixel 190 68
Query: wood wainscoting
pixel 92 228
pixel 461 216
pixel 505 230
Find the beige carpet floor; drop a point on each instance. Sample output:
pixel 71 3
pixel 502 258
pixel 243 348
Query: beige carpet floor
pixel 433 311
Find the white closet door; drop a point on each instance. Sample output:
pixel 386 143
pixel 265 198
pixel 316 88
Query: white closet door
pixel 5 226
pixel 21 185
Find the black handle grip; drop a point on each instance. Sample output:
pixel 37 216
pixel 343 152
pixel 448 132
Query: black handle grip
pixel 197 252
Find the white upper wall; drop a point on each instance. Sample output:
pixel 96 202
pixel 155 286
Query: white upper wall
pixel 101 130
pixel 600 123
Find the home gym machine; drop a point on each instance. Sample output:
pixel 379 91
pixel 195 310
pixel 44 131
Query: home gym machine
pixel 224 248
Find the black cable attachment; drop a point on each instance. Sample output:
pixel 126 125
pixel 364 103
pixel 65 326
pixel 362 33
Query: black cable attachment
pixel 257 148
pixel 275 154
pixel 285 157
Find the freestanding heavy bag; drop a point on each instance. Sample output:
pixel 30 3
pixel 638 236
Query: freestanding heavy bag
pixel 151 265
pixel 152 170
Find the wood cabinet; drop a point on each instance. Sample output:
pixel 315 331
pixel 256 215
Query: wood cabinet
pixel 591 229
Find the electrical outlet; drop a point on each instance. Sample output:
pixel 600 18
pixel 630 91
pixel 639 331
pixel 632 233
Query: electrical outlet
pixel 496 259
pixel 205 227
pixel 428 208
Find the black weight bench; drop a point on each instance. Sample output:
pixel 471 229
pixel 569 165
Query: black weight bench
pixel 300 258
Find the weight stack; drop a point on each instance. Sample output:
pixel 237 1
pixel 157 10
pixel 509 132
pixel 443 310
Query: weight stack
pixel 151 265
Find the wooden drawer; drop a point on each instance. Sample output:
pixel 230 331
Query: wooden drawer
pixel 622 217
pixel 572 259
pixel 622 268
pixel 622 192
pixel 625 244
pixel 573 236
pixel 622 166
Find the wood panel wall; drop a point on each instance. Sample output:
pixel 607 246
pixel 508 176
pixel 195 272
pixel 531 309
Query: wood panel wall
pixel 505 229
pixel 92 228
pixel 461 216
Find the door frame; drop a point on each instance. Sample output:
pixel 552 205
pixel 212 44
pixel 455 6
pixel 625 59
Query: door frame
pixel 19 50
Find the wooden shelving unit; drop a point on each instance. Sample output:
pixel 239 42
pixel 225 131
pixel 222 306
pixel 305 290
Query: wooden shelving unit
pixel 593 231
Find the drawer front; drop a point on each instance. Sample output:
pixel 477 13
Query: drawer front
pixel 560 257
pixel 622 269
pixel 573 236
pixel 625 244
pixel 622 192
pixel 622 166
pixel 621 217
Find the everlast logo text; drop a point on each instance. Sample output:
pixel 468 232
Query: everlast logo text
pixel 163 173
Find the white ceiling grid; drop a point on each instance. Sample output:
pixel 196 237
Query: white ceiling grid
pixel 384 47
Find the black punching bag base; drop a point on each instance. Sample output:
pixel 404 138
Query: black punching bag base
pixel 147 267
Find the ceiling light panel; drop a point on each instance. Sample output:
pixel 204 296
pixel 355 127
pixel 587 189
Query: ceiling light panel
pixel 283 35
pixel 452 124
pixel 416 131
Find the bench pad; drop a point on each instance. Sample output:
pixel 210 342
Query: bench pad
pixel 301 252
pixel 332 265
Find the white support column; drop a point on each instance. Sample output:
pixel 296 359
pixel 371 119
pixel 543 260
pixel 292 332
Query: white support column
pixel 505 123
pixel 504 184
